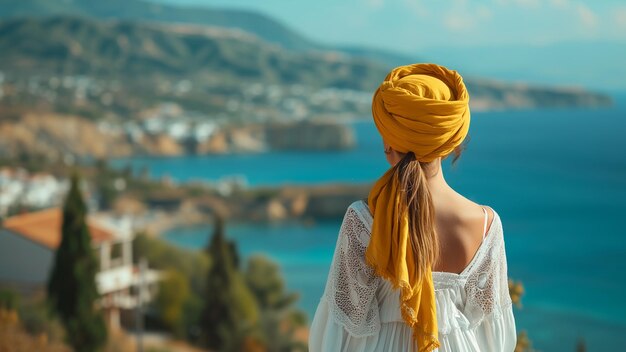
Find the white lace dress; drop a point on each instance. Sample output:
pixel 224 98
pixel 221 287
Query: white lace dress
pixel 360 311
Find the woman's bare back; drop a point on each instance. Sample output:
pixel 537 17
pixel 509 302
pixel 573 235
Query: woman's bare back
pixel 460 225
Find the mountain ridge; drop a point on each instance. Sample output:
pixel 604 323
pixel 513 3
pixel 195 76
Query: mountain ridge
pixel 79 45
pixel 118 73
pixel 262 25
pixel 124 49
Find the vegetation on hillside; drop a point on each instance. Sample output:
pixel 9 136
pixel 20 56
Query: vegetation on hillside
pixel 230 309
pixel 81 46
pixel 96 69
pixel 140 10
pixel 16 337
pixel 72 291
pixel 209 298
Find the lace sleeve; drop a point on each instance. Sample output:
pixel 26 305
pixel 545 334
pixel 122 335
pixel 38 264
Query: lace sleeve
pixel 351 287
pixel 487 286
pixel 503 285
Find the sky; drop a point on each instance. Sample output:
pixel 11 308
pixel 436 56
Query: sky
pixel 574 43
pixel 411 25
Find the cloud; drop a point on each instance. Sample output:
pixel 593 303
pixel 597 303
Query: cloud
pixel 619 17
pixel 463 18
pixel 529 4
pixel 376 4
pixel 484 13
pixel 587 17
pixel 560 3
pixel 457 22
pixel 416 7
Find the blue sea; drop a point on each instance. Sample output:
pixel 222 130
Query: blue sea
pixel 557 178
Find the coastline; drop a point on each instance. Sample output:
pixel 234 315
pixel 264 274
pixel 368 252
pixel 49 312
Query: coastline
pixel 547 202
pixel 264 205
pixel 175 132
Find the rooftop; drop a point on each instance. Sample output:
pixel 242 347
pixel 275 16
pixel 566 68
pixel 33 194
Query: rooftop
pixel 44 227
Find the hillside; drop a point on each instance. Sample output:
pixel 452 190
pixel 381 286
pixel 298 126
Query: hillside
pixel 568 63
pixel 163 89
pixel 80 66
pixel 79 46
pixel 263 26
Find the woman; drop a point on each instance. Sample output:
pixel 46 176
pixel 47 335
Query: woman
pixel 417 266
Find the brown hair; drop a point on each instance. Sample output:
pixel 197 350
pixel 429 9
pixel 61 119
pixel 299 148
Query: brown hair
pixel 415 194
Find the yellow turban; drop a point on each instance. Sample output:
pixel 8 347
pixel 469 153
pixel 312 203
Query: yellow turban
pixel 420 108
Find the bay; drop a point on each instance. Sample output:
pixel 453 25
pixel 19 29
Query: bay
pixel 556 177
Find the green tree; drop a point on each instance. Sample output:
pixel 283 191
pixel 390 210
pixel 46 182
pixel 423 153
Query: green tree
pixel 230 308
pixel 192 265
pixel 264 279
pixel 72 291
pixel 164 256
pixel 278 321
pixel 9 299
pixel 104 182
pixel 171 299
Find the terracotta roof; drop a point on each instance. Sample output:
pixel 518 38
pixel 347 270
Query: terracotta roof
pixel 44 227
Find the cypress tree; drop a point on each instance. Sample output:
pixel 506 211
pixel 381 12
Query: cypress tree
pixel 72 291
pixel 218 318
pixel 230 307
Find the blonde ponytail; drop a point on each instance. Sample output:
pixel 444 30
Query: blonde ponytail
pixel 417 199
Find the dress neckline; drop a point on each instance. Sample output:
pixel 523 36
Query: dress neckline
pixel 447 274
pixel 481 248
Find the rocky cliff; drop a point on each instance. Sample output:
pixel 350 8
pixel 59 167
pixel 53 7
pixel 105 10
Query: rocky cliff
pixel 309 135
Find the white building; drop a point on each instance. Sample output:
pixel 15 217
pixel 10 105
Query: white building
pixel 43 189
pixel 20 188
pixel 27 246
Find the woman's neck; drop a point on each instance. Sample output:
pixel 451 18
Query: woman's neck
pixel 434 176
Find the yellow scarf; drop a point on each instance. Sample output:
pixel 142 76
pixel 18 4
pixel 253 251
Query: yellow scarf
pixel 420 108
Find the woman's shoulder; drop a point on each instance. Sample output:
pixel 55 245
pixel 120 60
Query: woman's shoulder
pixel 359 203
pixel 492 217
pixel 471 212
pixel 357 224
pixel 494 222
pixel 361 210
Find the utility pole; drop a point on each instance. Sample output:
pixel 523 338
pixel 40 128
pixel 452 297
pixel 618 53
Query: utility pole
pixel 140 294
